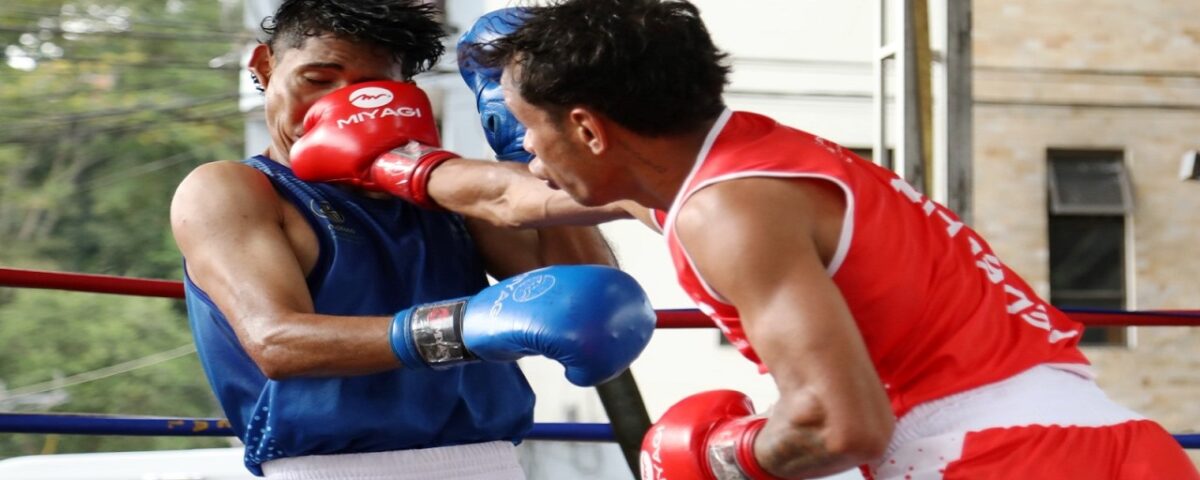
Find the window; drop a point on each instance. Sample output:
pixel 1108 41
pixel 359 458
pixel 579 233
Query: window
pixel 1088 184
pixel 1089 199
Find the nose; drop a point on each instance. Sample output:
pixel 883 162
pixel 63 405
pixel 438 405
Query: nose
pixel 527 144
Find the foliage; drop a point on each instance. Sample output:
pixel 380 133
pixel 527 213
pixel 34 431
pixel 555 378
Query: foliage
pixel 65 334
pixel 106 105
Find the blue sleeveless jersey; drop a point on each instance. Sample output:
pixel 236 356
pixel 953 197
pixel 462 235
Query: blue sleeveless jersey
pixel 377 257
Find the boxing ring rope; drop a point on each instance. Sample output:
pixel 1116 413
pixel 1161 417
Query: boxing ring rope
pixel 668 318
pixel 691 318
pixel 86 282
pixel 92 424
pixel 89 424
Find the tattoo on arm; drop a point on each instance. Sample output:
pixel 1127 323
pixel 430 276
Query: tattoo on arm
pixel 799 450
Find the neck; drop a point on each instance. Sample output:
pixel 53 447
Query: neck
pixel 272 152
pixel 661 164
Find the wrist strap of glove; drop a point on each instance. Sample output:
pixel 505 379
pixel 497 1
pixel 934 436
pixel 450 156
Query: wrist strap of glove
pixel 731 450
pixel 430 336
pixel 404 172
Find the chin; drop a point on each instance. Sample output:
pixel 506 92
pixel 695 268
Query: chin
pixel 591 200
pixel 583 198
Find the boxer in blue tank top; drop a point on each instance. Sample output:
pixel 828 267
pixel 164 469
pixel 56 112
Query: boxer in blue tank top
pixel 377 256
pixel 291 286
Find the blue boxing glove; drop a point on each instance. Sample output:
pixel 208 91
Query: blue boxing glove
pixel 593 320
pixel 504 133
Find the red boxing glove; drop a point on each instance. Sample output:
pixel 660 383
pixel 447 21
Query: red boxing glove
pixel 709 436
pixel 379 136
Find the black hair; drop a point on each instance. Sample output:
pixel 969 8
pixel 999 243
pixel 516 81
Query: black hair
pixel 649 65
pixel 408 30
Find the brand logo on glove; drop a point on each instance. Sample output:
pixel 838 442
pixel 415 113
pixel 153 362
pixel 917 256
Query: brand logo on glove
pixel 532 288
pixel 379 113
pixel 652 461
pixel 370 97
pixel 522 288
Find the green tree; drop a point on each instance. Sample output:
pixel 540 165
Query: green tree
pixel 105 106
pixel 69 334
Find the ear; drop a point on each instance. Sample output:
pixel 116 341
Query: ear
pixel 589 128
pixel 262 63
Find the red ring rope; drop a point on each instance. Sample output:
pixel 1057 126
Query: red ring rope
pixel 670 318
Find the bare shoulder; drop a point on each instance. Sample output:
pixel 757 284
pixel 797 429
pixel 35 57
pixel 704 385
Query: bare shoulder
pixel 223 183
pixel 218 177
pixel 745 202
pixel 223 192
pixel 756 219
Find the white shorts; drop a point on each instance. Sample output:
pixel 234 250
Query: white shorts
pixel 931 436
pixel 480 461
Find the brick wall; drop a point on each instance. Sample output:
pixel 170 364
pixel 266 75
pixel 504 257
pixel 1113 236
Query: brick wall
pixel 1110 75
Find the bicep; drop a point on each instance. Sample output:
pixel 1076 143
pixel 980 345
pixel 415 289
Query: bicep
pixel 770 268
pixel 505 251
pixel 509 251
pixel 227 223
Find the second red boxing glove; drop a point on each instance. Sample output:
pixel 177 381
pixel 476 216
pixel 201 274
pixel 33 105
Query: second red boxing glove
pixel 707 436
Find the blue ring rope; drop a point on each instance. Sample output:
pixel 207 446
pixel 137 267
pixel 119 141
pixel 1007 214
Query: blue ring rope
pixel 93 424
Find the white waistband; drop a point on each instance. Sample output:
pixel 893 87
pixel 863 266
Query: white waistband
pixel 1048 394
pixel 480 461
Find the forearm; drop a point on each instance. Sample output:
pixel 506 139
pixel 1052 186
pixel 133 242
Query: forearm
pixel 315 345
pixel 788 450
pixel 813 430
pixel 505 194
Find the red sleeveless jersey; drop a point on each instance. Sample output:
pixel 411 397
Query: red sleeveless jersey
pixel 938 311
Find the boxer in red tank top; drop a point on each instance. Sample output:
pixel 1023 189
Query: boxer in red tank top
pixel 899 342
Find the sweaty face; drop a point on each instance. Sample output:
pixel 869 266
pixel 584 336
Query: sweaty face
pixel 561 156
pixel 295 78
